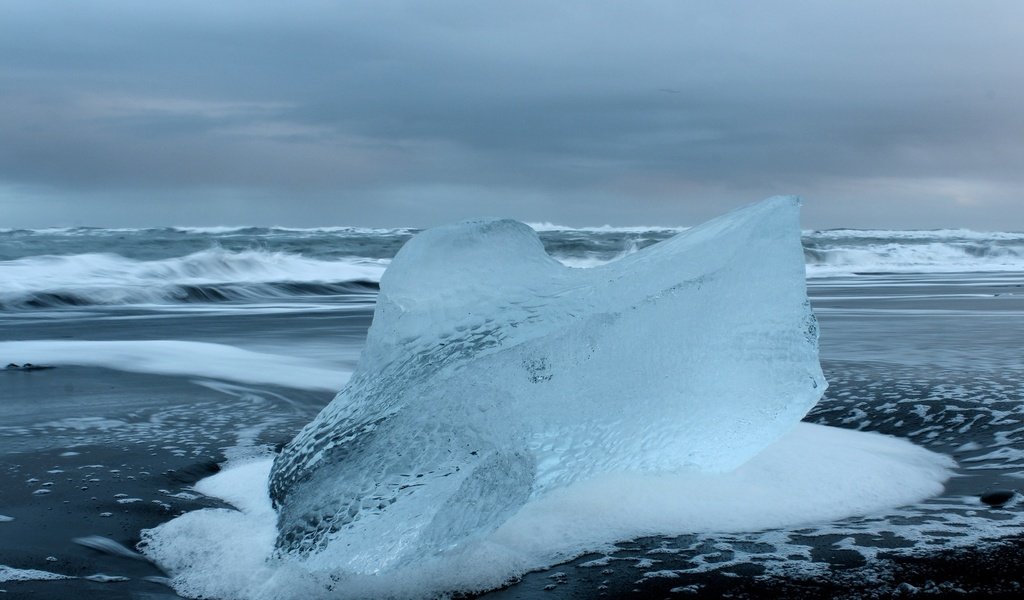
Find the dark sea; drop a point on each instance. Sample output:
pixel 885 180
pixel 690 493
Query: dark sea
pixel 172 350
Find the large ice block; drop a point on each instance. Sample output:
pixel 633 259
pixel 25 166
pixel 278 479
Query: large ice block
pixel 492 374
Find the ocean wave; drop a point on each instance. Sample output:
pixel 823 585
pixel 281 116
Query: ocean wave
pixel 924 256
pixel 254 230
pixel 213 275
pixel 184 294
pixel 914 234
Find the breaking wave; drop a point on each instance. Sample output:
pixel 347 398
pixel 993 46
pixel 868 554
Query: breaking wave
pixel 839 252
pixel 213 275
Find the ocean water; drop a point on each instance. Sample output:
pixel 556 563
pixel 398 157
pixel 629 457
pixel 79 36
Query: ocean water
pixel 177 349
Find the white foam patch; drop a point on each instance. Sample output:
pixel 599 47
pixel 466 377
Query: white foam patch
pixel 175 357
pixel 814 474
pixel 12 574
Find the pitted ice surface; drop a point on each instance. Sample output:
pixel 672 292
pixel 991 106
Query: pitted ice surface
pixel 493 374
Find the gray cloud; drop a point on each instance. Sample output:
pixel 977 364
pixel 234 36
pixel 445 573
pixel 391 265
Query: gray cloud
pixel 879 113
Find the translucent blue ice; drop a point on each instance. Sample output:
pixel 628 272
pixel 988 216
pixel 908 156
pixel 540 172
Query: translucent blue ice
pixel 493 374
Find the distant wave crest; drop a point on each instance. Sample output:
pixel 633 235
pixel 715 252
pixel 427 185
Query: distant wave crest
pixel 947 251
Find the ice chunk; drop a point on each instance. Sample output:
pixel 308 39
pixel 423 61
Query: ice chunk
pixel 493 374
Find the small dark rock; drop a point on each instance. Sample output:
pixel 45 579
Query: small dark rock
pixel 905 589
pixel 997 497
pixel 12 366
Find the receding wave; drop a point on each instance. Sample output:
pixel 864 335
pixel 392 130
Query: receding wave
pixel 214 275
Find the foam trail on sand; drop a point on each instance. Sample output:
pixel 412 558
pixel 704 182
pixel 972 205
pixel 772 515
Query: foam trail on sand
pixel 108 546
pixel 813 474
pixel 175 357
pixel 12 574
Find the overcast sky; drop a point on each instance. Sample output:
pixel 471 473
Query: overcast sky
pixel 880 114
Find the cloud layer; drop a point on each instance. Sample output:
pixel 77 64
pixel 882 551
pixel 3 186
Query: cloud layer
pixel 399 112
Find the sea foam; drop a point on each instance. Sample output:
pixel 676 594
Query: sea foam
pixel 813 474
pixel 177 357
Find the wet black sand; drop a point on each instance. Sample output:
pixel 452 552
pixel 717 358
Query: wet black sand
pixel 125 464
pixel 84 502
